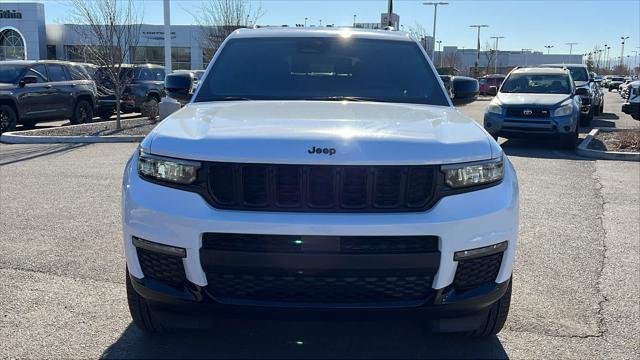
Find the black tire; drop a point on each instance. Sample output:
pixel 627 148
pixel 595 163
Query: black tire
pixel 596 111
pixel 141 313
pixel 8 118
pixel 496 317
pixel 601 107
pixel 150 108
pixel 105 114
pixel 569 142
pixel 83 113
pixel 586 120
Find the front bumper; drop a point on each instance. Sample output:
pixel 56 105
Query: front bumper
pixel 502 125
pixel 177 218
pixel 631 108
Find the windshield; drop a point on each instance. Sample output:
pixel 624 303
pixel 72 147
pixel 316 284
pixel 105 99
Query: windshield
pixel 10 73
pixel 537 84
pixel 579 74
pixel 322 68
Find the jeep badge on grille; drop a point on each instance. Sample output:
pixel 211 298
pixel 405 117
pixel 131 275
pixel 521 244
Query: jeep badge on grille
pixel 315 150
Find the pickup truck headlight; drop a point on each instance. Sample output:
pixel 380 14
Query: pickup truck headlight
pixel 494 108
pixel 160 168
pixel 473 174
pixel 563 110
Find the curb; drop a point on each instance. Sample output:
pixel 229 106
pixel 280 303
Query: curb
pixel 583 150
pixel 14 138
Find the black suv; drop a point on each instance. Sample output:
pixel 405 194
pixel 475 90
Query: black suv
pixel 33 91
pixel 142 94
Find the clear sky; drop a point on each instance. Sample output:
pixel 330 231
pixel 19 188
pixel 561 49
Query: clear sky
pixel 524 24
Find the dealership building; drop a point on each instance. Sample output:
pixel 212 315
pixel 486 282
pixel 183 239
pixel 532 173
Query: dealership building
pixel 24 34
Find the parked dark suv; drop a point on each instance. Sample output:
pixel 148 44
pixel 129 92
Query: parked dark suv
pixel 142 94
pixel 33 91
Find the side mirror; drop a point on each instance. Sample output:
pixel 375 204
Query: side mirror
pixel 465 89
pixel 28 80
pixel 493 91
pixel 179 86
pixel 582 91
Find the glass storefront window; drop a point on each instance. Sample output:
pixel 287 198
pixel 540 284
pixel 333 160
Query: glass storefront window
pixel 11 45
pixel 180 56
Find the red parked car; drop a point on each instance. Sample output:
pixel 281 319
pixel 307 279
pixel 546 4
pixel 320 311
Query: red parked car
pixel 488 81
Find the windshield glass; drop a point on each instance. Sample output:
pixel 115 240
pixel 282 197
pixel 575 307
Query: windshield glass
pixel 322 68
pixel 537 84
pixel 10 73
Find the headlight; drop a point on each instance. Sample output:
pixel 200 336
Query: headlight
pixel 476 173
pixel 167 169
pixel 563 110
pixel 494 108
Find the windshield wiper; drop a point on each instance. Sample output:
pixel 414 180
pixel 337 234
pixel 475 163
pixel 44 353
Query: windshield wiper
pixel 345 98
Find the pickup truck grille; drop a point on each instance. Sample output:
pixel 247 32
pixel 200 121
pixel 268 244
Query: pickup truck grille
pixel 321 188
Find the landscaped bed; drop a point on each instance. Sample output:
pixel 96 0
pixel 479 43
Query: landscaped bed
pixel 133 127
pixel 622 141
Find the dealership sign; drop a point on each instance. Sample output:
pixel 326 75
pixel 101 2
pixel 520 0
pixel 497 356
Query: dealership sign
pixel 10 14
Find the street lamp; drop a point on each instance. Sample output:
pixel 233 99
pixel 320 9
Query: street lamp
pixel 526 52
pixel 305 22
pixel 440 51
pixel 623 38
pixel 548 48
pixel 354 20
pixel 571 46
pixel 478 53
pixel 495 68
pixel 435 14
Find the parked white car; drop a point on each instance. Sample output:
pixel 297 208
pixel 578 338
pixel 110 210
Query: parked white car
pixel 320 171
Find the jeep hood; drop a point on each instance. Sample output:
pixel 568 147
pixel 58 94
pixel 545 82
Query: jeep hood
pixel 285 131
pixel 532 99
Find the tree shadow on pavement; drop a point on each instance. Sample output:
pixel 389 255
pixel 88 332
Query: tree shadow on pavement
pixel 538 148
pixel 604 120
pixel 287 339
pixel 10 154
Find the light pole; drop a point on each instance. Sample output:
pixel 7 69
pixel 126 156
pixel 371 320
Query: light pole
pixel 320 22
pixel 635 61
pixel 440 51
pixel 495 68
pixel 354 20
pixel 305 22
pixel 548 48
pixel 526 52
pixel 167 36
pixel 571 46
pixel 623 38
pixel 608 57
pixel 435 14
pixel 478 50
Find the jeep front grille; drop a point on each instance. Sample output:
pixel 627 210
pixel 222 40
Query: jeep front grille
pixel 318 188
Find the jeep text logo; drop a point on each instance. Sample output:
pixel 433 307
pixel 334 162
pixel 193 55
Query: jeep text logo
pixel 315 150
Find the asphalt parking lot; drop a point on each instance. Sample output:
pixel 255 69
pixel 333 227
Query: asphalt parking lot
pixel 576 279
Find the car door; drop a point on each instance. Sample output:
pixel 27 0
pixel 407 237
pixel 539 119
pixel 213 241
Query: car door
pixel 34 98
pixel 61 91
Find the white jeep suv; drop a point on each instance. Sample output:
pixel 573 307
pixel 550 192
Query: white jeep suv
pixel 320 171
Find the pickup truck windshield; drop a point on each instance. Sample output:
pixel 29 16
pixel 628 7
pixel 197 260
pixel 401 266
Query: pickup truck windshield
pixel 536 84
pixel 322 68
pixel 9 73
pixel 579 74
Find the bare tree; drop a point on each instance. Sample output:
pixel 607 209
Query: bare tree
pixel 451 60
pixel 420 33
pixel 490 55
pixel 219 18
pixel 110 30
